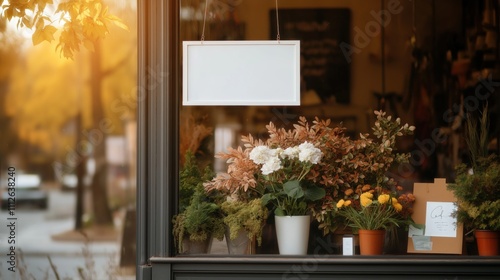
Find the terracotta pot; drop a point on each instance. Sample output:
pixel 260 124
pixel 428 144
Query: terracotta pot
pixel 371 242
pixel 487 242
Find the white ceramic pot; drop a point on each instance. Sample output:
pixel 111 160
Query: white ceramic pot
pixel 292 233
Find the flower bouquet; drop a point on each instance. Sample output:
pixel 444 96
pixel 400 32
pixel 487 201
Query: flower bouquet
pixel 331 164
pixel 283 172
pixel 372 210
pixel 375 208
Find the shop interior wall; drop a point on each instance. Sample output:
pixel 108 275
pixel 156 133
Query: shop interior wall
pixel 435 23
pixel 430 18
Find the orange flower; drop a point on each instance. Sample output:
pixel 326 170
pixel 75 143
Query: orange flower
pixel 348 192
pixel 366 187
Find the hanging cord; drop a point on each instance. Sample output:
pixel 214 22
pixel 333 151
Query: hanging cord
pixel 382 48
pixel 413 39
pixel 204 19
pixel 277 23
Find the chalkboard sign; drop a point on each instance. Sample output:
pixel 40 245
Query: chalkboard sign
pixel 324 67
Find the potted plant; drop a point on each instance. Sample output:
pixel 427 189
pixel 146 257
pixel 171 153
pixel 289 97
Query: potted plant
pixel 364 161
pixel 371 211
pixel 283 172
pixel 282 186
pixel 244 221
pixel 200 218
pixel 477 187
pixel 332 163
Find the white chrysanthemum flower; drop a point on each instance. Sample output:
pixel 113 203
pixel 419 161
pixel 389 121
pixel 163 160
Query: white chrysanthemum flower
pixel 309 153
pixel 291 153
pixel 260 154
pixel 273 164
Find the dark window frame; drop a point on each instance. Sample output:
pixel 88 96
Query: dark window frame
pixel 157 181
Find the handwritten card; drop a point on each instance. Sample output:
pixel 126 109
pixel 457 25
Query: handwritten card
pixel 439 220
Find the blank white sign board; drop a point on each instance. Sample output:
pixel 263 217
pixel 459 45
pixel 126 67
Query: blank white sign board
pixel 241 73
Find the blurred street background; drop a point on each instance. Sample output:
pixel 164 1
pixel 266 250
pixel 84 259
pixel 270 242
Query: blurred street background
pixel 68 100
pixel 44 233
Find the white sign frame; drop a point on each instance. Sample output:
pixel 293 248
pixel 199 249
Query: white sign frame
pixel 241 73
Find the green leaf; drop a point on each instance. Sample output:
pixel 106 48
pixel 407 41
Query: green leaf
pixel 293 189
pixel 302 206
pixel 314 193
pixel 279 212
pixel 266 198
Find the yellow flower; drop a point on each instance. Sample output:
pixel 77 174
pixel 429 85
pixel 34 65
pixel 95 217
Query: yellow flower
pixel 394 200
pixel 383 198
pixel 347 203
pixel 366 199
pixel 340 203
pixel 367 195
pixel 398 207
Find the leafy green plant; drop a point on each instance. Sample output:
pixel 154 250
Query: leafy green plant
pixel 477 191
pixel 200 216
pixel 476 137
pixel 201 220
pixel 477 187
pixel 250 216
pixel 189 177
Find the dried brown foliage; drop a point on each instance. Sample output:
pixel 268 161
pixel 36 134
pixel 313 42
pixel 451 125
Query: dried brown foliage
pixel 191 135
pixel 346 164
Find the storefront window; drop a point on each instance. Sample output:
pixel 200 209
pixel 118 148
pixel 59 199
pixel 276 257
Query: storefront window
pixel 366 68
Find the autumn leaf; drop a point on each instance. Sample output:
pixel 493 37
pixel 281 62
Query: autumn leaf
pixel 87 18
pixel 26 21
pixel 44 34
pixel 118 22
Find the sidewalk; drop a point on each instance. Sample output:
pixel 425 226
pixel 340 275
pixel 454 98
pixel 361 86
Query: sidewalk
pixel 34 242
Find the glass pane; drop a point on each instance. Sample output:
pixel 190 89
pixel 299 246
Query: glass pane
pixel 67 145
pixel 350 66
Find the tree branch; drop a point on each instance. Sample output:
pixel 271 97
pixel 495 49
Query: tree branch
pixel 119 64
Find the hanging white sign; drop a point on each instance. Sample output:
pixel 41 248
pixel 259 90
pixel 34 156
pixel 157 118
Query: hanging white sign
pixel 241 73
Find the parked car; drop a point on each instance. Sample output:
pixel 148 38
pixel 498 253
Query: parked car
pixel 27 190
